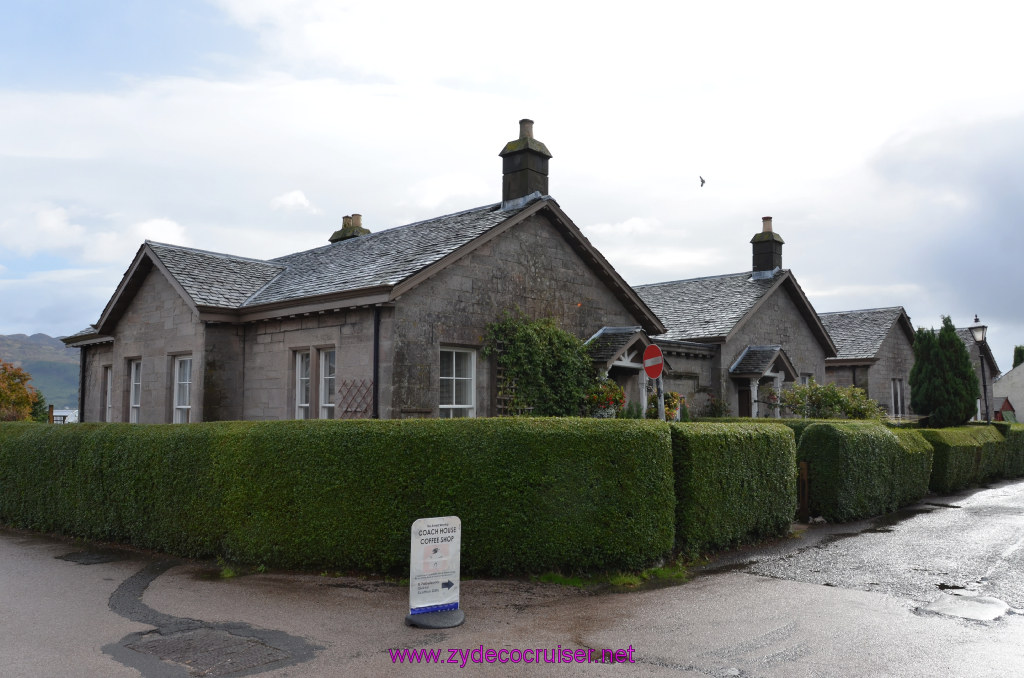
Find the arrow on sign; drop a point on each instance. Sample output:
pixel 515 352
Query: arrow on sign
pixel 448 584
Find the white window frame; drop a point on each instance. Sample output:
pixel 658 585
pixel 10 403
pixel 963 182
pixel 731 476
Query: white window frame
pixel 108 393
pixel 182 390
pixel 897 397
pixel 328 378
pixel 303 393
pixel 449 410
pixel 135 390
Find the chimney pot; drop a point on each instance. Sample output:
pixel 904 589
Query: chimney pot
pixel 346 221
pixel 526 128
pixel 766 224
pixel 357 220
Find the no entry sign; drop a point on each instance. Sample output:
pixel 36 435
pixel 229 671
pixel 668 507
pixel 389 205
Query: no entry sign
pixel 653 361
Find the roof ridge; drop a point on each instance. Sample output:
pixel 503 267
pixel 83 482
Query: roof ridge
pixel 374 234
pixel 221 255
pixel 682 280
pixel 864 310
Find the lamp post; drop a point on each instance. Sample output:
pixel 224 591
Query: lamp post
pixel 979 330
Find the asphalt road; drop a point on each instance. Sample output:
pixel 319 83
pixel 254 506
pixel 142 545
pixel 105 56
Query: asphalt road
pixel 936 590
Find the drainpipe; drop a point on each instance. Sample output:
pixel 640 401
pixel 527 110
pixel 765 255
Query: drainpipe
pixel 376 362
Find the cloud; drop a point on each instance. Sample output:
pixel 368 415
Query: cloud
pixel 294 201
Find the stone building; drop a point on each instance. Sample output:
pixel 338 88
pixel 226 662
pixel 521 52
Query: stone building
pixel 875 351
pixel 987 375
pixel 731 336
pixel 386 324
pixel 1010 386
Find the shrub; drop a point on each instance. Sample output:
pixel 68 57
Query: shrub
pixel 734 483
pixel 964 456
pixel 851 469
pixel 674 404
pixel 814 401
pixel 533 494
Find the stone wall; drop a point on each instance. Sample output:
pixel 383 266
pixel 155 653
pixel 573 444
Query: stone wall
pixel 529 267
pixel 895 359
pixel 776 321
pixel 156 327
pixel 270 349
pixel 94 359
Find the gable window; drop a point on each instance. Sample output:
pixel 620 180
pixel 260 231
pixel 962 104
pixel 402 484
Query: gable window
pixel 135 391
pixel 302 385
pixel 327 374
pixel 182 390
pixel 457 387
pixel 108 392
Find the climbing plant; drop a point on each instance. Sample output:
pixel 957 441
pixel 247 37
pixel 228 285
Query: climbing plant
pixel 546 371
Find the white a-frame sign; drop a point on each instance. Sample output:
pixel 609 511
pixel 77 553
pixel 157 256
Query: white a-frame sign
pixel 434 573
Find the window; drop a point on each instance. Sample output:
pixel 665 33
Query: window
pixel 182 390
pixel 302 385
pixel 897 398
pixel 327 373
pixel 457 387
pixel 108 391
pixel 135 396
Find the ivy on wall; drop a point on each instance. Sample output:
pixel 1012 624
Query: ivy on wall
pixel 546 371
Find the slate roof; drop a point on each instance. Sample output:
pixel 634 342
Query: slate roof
pixel 609 342
pixel 859 334
pixel 213 279
pixel 755 360
pixel 383 258
pixel 704 308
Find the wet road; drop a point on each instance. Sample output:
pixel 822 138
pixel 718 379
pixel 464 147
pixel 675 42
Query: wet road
pixel 934 591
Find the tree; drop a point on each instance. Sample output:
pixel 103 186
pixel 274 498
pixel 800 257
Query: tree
pixel 17 396
pixel 943 385
pixel 40 412
pixel 1018 355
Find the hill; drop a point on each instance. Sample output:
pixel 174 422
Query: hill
pixel 53 366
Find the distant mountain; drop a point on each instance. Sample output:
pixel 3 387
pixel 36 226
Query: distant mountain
pixel 53 366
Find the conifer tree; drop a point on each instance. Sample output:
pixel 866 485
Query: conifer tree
pixel 943 385
pixel 1018 355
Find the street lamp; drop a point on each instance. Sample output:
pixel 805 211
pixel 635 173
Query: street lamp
pixel 979 330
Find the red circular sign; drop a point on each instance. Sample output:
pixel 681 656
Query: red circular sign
pixel 653 361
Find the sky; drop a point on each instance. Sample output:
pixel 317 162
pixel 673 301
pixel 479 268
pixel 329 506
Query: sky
pixel 886 139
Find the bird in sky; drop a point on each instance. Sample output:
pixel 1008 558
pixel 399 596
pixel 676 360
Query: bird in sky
pixel 702 182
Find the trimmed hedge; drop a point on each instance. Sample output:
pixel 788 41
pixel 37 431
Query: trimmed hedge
pixel 851 469
pixel 965 456
pixel 734 483
pixel 1014 435
pixel 912 467
pixel 533 494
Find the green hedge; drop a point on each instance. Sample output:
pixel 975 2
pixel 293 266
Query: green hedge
pixel 1014 435
pixel 734 483
pixel 912 467
pixel 851 468
pixel 965 456
pixel 533 494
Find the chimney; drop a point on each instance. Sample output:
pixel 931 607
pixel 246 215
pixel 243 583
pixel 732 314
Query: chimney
pixel 767 251
pixel 524 165
pixel 351 227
